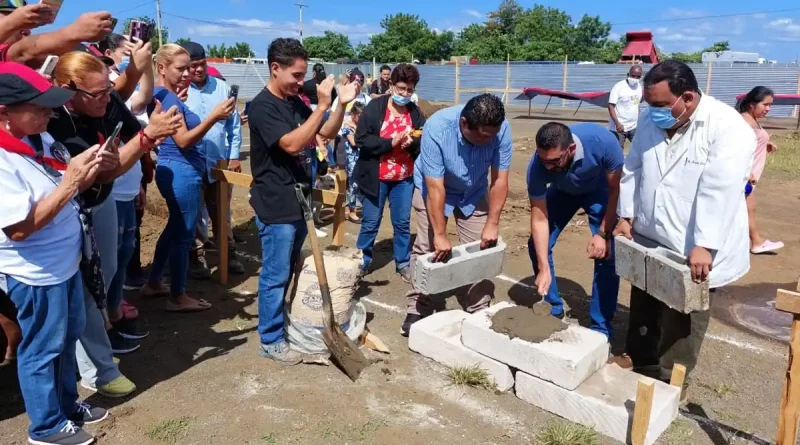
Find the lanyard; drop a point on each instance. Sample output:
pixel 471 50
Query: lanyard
pixel 53 165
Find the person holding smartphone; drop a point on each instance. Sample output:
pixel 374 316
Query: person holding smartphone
pixel 221 143
pixel 179 178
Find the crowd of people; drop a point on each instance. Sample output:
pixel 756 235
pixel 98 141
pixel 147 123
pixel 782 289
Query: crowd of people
pixel 81 143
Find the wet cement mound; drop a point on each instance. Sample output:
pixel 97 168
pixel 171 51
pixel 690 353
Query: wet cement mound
pixel 534 325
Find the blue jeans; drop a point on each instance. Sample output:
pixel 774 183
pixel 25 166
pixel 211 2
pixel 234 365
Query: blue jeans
pixel 399 195
pixel 280 250
pixel 182 188
pixel 126 243
pixel 51 318
pixel 561 207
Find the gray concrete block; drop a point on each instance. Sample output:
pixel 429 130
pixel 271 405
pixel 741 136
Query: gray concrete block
pixel 468 265
pixel 630 259
pixel 670 281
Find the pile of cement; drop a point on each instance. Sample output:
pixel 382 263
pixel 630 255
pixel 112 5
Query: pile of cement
pixel 534 325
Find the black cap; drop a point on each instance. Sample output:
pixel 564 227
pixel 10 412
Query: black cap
pixel 195 50
pixel 91 49
pixel 20 84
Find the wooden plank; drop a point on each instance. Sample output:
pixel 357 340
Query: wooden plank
pixel 790 401
pixel 678 376
pixel 641 412
pixel 327 197
pixel 240 179
pixel 788 301
pixel 223 208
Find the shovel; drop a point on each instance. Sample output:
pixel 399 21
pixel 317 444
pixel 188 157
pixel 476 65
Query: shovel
pixel 345 352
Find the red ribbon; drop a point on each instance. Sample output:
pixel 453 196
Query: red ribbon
pixel 11 144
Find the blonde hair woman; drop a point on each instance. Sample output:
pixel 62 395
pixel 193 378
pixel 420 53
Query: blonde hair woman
pixel 179 177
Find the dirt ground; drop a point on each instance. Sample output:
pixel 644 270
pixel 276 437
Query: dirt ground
pixel 201 380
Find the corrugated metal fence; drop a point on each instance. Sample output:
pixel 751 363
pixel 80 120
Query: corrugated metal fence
pixel 437 82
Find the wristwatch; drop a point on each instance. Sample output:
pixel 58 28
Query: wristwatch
pixel 605 235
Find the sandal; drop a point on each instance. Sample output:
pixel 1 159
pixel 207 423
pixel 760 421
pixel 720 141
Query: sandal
pixel 129 311
pixel 195 306
pixel 766 247
pixel 353 218
pixel 149 292
pixel 8 362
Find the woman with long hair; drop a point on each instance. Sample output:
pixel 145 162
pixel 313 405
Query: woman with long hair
pixel 179 178
pixel 753 106
pixel 90 118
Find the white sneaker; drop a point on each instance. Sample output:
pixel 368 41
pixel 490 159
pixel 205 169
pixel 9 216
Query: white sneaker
pixel 321 233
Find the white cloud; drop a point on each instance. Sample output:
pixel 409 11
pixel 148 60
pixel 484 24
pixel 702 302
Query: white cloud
pixel 614 36
pixel 681 37
pixel 660 30
pixel 683 13
pixel 759 16
pixel 344 28
pixel 474 13
pixel 251 27
pixel 784 29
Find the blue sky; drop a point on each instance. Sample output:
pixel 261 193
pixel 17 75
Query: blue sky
pixel 772 28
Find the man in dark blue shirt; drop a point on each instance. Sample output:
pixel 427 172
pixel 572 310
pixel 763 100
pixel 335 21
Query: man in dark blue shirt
pixel 576 167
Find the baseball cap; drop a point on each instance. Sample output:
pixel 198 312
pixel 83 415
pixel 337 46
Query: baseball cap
pixel 91 49
pixel 213 72
pixel 11 5
pixel 195 50
pixel 20 84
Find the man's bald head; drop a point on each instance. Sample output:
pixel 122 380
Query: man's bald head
pixel 635 72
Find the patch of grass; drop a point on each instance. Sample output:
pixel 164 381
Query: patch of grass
pixel 473 376
pixel 724 389
pixel 679 432
pixel 784 163
pixel 170 431
pixel 373 425
pixel 270 439
pixel 563 433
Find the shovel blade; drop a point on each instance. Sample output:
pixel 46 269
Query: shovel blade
pixel 344 352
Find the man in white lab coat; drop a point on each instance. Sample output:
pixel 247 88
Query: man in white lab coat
pixel 682 186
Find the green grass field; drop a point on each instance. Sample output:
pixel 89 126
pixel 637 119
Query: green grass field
pixel 784 163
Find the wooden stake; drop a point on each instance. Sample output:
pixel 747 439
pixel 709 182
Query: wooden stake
pixel 223 208
pixel 708 78
pixel 796 113
pixel 508 79
pixel 678 376
pixel 564 81
pixel 641 412
pixel 458 83
pixel 788 301
pixel 338 208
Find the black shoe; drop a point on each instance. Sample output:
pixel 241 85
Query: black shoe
pixel 238 240
pixel 71 434
pixel 235 267
pixel 410 319
pixel 129 329
pixel 135 282
pixel 199 269
pixel 405 274
pixel 87 414
pixel 121 345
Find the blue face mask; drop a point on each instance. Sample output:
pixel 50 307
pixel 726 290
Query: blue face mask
pixel 123 64
pixel 401 100
pixel 662 117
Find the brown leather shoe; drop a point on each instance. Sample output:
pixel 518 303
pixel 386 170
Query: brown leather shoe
pixel 623 361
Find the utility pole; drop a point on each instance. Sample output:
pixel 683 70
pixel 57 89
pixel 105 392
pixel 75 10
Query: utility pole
pixel 300 6
pixel 158 22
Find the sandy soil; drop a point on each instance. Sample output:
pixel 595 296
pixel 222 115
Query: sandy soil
pixel 201 380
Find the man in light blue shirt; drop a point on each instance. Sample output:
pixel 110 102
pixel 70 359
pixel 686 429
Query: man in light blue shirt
pixel 460 146
pixel 222 143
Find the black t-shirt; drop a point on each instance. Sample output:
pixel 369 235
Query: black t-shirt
pixel 79 133
pixel 379 87
pixel 274 170
pixel 310 90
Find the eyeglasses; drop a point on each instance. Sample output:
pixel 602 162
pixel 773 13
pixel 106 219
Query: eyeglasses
pixel 407 90
pixel 97 95
pixel 555 162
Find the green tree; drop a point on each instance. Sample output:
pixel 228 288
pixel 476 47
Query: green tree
pixel 126 29
pixel 697 57
pixel 505 18
pixel 329 47
pixel 406 37
pixel 181 41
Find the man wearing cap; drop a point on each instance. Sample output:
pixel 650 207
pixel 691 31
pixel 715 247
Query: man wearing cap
pixel 222 143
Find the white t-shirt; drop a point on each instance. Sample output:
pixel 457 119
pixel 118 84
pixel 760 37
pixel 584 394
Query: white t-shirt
pixel 627 100
pixel 126 187
pixel 52 254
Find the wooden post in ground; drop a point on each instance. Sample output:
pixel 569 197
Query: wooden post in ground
pixel 508 79
pixel 796 108
pixel 223 208
pixel 641 412
pixel 678 376
pixel 564 81
pixel 708 78
pixel 458 83
pixel 338 208
pixel 789 414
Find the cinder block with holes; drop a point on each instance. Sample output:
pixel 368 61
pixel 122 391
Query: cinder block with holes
pixel 468 264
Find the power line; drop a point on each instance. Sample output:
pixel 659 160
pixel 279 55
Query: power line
pixel 226 24
pixel 705 17
pixel 134 7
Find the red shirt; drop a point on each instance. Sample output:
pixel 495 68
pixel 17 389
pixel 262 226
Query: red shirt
pixel 396 165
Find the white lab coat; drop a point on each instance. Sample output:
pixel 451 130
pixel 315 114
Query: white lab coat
pixel 689 191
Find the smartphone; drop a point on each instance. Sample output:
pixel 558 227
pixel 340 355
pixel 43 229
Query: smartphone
pixel 247 108
pixel 54 5
pixel 140 30
pixel 113 137
pixel 114 22
pixel 49 65
pixel 234 93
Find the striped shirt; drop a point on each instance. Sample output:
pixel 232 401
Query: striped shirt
pixel 465 167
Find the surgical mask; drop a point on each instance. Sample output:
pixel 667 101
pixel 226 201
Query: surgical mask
pixel 633 82
pixel 123 64
pixel 662 117
pixel 401 100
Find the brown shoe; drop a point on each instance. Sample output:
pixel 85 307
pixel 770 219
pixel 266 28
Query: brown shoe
pixel 623 361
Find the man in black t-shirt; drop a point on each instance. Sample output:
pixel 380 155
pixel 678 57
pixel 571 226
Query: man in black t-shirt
pixel 282 136
pixel 381 85
pixel 310 85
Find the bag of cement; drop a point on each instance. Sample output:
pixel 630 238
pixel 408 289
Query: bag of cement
pixel 308 339
pixel 305 315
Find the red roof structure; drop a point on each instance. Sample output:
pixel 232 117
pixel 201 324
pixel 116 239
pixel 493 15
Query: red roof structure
pixel 640 48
